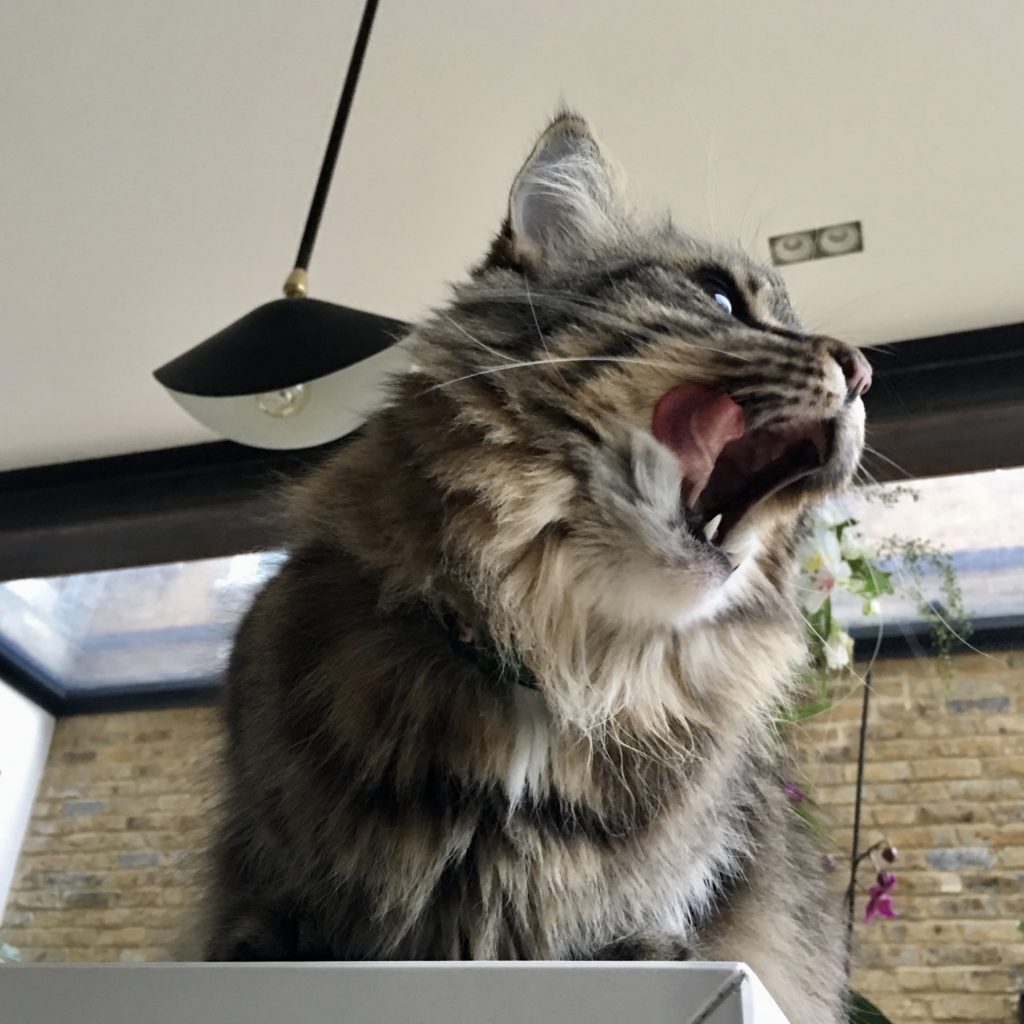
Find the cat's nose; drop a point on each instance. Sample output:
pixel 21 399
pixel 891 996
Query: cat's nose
pixel 856 369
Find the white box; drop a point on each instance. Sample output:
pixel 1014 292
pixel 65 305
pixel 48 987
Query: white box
pixel 385 993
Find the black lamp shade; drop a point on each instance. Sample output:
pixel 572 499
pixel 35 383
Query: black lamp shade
pixel 294 373
pixel 278 345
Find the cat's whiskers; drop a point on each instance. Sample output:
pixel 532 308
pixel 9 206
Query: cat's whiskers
pixel 863 477
pixel 536 323
pixel 874 452
pixel 476 341
pixel 956 636
pixel 809 590
pixel 552 362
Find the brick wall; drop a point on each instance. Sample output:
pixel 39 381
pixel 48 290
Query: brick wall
pixel 945 783
pixel 109 866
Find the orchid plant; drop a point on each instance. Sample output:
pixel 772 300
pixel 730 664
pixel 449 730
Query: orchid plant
pixel 879 904
pixel 836 557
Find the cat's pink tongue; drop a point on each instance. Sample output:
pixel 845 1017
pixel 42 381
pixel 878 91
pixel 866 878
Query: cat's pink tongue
pixel 696 423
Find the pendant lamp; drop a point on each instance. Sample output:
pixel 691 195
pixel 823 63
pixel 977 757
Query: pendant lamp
pixel 295 372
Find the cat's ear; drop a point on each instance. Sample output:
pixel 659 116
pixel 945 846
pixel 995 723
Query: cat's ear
pixel 564 198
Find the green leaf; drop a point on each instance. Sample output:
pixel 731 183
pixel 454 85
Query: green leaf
pixel 1020 926
pixel 863 1011
pixel 805 711
pixel 810 819
pixel 870 580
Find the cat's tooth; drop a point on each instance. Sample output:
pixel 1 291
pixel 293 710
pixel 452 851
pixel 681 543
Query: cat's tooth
pixel 711 527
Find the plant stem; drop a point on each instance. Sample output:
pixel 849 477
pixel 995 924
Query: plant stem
pixel 851 888
pixel 855 857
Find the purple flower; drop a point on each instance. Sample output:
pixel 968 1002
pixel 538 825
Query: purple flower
pixel 795 793
pixel 879 900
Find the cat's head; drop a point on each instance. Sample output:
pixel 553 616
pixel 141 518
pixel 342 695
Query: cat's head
pixel 650 403
pixel 610 436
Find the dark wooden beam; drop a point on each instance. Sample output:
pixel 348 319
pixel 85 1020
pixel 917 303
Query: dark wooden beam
pixel 945 405
pixel 175 504
pixel 947 442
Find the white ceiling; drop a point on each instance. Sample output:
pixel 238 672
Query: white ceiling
pixel 158 159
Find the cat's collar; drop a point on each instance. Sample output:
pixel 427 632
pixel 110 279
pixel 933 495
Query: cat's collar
pixel 474 643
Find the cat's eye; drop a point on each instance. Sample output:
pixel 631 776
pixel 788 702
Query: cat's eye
pixel 724 301
pixel 723 295
pixel 721 289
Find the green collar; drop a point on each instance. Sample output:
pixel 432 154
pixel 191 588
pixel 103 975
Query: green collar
pixel 474 644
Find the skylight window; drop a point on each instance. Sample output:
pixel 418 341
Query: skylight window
pixel 155 625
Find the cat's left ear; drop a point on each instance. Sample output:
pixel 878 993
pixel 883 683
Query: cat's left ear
pixel 563 200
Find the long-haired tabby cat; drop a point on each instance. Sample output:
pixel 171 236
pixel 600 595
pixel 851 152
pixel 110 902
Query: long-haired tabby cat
pixel 512 694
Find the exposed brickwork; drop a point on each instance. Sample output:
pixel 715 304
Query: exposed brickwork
pixel 945 783
pixel 110 863
pixel 109 866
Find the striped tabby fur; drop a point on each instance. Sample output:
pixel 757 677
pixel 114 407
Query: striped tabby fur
pixel 388 798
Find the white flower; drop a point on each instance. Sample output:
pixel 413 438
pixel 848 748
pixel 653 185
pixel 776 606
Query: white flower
pixel 872 606
pixel 855 544
pixel 821 550
pixel 814 595
pixel 830 513
pixel 824 567
pixel 838 648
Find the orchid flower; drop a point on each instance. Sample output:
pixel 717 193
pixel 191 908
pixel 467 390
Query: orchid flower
pixel 838 648
pixel 854 543
pixel 879 901
pixel 794 793
pixel 823 562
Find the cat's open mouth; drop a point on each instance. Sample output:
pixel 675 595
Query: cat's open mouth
pixel 727 469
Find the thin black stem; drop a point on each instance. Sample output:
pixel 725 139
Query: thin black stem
pixel 861 857
pixel 348 92
pixel 855 859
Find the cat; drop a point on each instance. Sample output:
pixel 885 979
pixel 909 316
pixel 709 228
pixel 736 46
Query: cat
pixel 513 693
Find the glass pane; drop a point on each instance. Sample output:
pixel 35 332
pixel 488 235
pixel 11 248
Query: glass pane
pixel 168 623
pixel 977 518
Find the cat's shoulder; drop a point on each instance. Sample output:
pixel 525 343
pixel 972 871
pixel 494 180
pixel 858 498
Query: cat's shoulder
pixel 302 613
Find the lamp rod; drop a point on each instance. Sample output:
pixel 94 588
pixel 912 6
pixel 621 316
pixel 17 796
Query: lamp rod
pixel 297 279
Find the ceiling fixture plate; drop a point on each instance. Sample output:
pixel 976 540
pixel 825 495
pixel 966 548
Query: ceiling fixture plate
pixel 816 243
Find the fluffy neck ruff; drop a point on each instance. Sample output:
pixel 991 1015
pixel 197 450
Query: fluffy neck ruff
pixel 467 521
